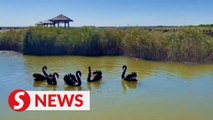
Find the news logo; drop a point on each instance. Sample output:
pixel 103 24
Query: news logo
pixel 21 100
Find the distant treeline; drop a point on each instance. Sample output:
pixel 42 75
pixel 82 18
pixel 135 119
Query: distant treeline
pixel 206 25
pixel 184 45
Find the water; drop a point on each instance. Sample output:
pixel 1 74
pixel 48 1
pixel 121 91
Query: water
pixel 165 91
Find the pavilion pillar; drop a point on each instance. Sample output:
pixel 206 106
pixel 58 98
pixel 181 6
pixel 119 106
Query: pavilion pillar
pixel 58 24
pixel 68 24
pixel 65 24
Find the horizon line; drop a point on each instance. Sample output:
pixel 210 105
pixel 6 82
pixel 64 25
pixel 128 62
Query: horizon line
pixel 121 25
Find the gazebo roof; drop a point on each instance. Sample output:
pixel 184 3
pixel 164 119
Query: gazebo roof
pixel 47 22
pixel 61 18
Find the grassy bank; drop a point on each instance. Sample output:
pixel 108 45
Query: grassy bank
pixel 185 45
pixel 86 41
pixel 12 40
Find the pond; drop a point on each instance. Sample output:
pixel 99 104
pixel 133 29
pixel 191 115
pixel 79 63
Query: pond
pixel 165 91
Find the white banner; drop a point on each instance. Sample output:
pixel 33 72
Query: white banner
pixel 59 100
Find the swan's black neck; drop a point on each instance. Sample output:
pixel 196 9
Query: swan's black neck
pixel 124 71
pixel 89 75
pixel 56 75
pixel 44 71
pixel 78 74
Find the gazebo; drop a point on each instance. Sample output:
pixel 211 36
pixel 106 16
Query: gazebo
pixel 61 19
pixel 47 23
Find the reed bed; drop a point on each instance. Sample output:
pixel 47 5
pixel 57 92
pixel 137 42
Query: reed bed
pixel 183 45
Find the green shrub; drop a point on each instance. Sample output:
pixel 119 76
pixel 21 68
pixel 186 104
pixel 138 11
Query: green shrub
pixel 11 40
pixel 144 44
pixel 189 45
pixel 111 42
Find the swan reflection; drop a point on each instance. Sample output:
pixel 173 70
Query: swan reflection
pixel 72 88
pixel 126 85
pixel 94 85
pixel 39 84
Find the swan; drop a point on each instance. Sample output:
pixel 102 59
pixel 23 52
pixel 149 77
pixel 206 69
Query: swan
pixel 73 80
pixel 95 76
pixel 129 77
pixel 40 77
pixel 51 79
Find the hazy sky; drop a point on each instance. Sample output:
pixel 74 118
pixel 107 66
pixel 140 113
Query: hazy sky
pixel 108 12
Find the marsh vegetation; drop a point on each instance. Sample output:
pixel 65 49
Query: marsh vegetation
pixel 184 45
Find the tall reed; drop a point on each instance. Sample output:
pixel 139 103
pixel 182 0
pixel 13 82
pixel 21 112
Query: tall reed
pixel 186 44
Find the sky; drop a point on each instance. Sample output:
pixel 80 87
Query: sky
pixel 108 12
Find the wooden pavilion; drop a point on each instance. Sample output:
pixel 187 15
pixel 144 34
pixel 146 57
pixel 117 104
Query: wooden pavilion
pixel 47 23
pixel 56 21
pixel 61 19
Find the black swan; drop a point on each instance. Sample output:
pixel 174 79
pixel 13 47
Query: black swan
pixel 129 77
pixel 95 76
pixel 51 79
pixel 73 80
pixel 40 77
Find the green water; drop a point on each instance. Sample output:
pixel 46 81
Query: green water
pixel 165 91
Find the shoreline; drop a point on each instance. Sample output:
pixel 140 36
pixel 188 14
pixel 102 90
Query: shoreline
pixel 14 53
